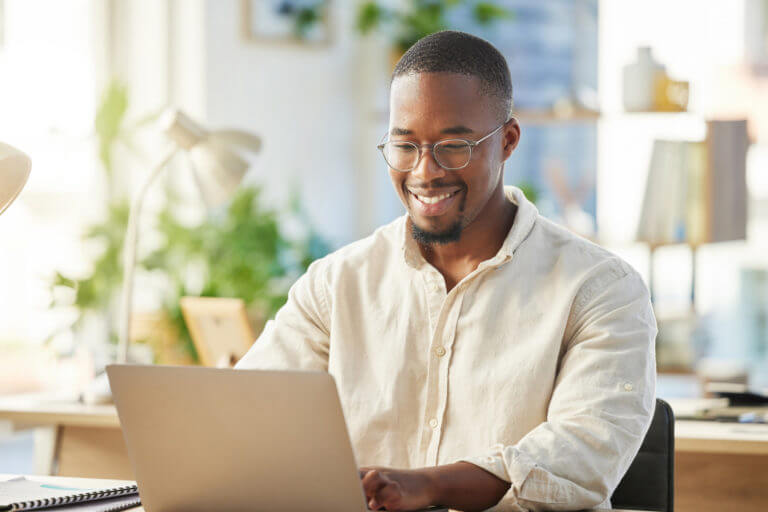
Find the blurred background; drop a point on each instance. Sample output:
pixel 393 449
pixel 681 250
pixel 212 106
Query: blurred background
pixel 644 128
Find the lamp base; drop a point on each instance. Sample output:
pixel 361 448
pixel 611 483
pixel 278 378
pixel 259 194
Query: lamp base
pixel 98 391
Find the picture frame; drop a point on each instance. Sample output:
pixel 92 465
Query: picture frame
pixel 293 22
pixel 219 328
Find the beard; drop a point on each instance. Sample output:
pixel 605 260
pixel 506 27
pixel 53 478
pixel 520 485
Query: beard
pixel 447 236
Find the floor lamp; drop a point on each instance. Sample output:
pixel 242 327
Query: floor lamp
pixel 14 171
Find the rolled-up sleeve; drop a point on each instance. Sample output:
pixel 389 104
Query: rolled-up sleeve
pixel 601 406
pixel 299 336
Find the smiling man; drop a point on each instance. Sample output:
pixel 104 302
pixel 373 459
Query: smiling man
pixel 484 356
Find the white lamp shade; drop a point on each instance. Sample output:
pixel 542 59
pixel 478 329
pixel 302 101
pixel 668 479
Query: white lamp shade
pixel 218 167
pixel 14 171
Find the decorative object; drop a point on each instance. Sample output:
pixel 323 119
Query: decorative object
pixel 306 22
pixel 218 169
pixel 638 81
pixel 648 88
pixel 220 329
pixel 14 171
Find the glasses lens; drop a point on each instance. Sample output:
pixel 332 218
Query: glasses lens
pixel 401 156
pixel 453 154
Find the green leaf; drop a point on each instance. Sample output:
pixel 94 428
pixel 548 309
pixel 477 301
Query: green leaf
pixel 369 16
pixel 486 12
pixel 109 119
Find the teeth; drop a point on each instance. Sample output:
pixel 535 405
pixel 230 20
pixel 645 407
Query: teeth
pixel 432 200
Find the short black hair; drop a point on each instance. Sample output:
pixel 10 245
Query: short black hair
pixel 450 51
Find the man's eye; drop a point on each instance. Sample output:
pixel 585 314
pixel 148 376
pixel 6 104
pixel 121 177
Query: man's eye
pixel 454 147
pixel 403 147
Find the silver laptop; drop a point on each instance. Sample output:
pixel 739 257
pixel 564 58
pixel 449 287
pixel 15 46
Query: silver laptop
pixel 203 439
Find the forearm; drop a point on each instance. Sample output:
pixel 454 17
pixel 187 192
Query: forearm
pixel 464 486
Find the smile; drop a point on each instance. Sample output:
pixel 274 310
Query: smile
pixel 432 205
pixel 433 199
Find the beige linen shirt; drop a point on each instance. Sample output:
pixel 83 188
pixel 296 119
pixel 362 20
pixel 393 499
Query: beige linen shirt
pixel 538 366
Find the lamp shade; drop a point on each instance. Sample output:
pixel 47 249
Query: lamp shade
pixel 14 171
pixel 218 167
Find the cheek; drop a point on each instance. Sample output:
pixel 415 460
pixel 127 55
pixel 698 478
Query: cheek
pixel 397 179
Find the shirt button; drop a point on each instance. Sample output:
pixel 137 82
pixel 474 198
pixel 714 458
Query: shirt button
pixel 433 423
pixel 440 351
pixel 628 386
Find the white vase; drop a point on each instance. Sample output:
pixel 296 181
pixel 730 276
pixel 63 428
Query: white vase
pixel 638 81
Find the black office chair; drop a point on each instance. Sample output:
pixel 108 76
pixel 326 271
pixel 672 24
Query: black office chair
pixel 649 482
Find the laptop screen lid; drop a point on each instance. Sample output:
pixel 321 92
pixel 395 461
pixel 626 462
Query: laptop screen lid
pixel 212 439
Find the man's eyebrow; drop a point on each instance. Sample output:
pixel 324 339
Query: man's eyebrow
pixel 453 130
pixel 400 131
pixel 458 130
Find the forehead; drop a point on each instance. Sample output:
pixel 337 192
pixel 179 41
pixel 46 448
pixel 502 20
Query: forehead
pixel 439 98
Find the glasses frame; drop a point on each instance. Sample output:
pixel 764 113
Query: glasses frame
pixel 471 143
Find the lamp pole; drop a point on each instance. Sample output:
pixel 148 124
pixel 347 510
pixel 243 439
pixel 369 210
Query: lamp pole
pixel 130 251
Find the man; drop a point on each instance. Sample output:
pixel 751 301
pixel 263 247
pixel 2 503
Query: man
pixel 483 354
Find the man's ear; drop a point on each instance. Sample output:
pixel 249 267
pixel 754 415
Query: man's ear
pixel 511 137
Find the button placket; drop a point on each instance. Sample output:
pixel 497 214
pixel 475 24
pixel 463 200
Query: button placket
pixel 449 325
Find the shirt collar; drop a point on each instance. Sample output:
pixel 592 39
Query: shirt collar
pixel 525 218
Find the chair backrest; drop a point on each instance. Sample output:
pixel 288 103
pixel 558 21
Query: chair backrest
pixel 649 482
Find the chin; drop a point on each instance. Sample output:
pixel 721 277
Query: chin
pixel 436 235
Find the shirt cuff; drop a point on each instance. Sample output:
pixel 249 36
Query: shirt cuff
pixel 492 463
pixel 510 465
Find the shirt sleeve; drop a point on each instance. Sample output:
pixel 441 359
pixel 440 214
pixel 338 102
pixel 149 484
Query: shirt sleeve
pixel 601 406
pixel 299 336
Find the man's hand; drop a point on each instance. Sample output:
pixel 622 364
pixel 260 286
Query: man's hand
pixel 460 486
pixel 397 489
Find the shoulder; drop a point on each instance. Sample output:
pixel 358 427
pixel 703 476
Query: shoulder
pixel 380 249
pixel 586 266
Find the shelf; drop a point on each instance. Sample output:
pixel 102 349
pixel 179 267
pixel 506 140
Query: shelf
pixel 552 116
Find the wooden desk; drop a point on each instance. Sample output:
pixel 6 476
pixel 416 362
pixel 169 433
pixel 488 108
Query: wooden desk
pixel 71 439
pixel 721 463
pixel 98 482
pixel 88 442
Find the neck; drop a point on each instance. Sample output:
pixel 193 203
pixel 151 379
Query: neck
pixel 479 241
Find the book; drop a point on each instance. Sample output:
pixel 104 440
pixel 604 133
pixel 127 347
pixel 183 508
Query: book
pixel 696 191
pixel 105 505
pixel 20 494
pixel 727 143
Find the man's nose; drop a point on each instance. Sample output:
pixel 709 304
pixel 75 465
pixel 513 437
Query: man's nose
pixel 427 169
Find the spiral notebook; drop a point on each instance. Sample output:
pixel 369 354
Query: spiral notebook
pixel 20 494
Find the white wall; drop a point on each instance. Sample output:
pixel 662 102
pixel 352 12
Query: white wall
pixel 311 105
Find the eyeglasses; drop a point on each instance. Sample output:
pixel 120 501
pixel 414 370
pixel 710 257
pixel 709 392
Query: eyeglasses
pixel 450 154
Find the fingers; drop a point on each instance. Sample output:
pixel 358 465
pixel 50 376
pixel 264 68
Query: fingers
pixel 373 480
pixel 380 491
pixel 364 470
pixel 388 497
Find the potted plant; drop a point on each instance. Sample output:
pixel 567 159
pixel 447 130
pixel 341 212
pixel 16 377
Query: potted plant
pixel 418 18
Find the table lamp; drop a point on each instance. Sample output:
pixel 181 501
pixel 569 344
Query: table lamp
pixel 14 171
pixel 218 169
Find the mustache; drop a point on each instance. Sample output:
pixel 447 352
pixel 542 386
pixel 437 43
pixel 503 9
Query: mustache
pixel 435 184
